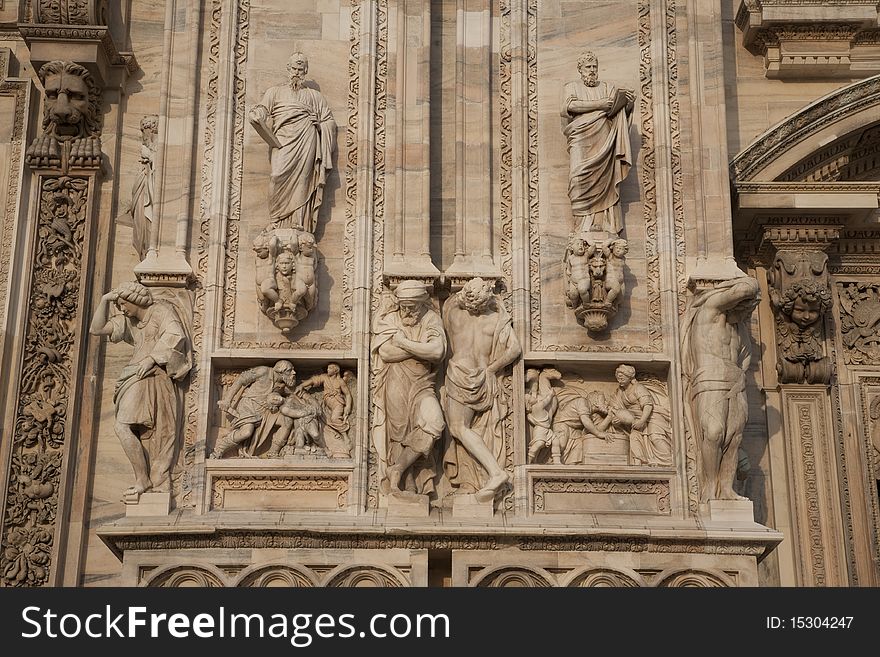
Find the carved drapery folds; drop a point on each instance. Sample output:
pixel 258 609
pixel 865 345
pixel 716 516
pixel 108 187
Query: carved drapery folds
pixel 597 117
pixel 296 122
pixel 716 352
pixel 800 298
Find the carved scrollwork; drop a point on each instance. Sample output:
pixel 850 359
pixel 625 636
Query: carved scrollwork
pixel 71 12
pixel 44 388
pixel 604 578
pixel 186 577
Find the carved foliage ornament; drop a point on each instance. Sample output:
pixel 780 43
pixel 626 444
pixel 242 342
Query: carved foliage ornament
pixel 41 414
pixel 71 12
pixel 860 323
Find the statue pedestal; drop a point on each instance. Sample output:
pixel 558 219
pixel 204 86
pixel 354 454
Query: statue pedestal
pixel 467 506
pixel 728 511
pixel 147 504
pixel 408 505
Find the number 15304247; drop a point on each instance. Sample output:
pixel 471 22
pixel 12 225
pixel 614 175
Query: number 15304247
pixel 809 622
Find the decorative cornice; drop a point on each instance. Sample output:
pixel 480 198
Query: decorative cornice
pixel 793 36
pixel 121 539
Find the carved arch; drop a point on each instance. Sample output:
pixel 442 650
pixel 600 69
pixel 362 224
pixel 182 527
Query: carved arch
pixel 514 576
pixel 365 575
pixel 693 578
pixel 604 578
pixel 276 575
pixel 842 121
pixel 181 576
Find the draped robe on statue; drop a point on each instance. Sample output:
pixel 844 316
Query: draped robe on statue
pixel 153 403
pixel 600 158
pixel 400 388
pixel 304 127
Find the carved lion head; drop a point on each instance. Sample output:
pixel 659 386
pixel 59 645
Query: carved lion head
pixel 73 101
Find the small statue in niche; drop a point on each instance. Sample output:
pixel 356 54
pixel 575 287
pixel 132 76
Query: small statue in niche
pixel 594 279
pixel 141 210
pixel 541 407
pixel 149 394
pixel 597 116
pixel 296 122
pixel 800 335
pixel 336 406
pixel 640 410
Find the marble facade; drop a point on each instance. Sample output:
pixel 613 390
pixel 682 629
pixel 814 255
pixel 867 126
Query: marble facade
pixel 440 372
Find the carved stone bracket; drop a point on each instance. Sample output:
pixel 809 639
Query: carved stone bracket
pixel 594 278
pixel 800 297
pixel 805 38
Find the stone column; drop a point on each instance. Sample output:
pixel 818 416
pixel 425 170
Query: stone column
pixel 473 141
pixel 408 141
pixel 166 263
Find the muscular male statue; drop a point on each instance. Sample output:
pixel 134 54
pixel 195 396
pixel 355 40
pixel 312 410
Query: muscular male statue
pixel 482 344
pixel 716 353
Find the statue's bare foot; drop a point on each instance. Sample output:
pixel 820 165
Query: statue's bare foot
pixel 730 494
pixel 136 490
pixel 394 475
pixel 488 492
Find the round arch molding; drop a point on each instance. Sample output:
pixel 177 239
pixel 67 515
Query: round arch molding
pixel 829 129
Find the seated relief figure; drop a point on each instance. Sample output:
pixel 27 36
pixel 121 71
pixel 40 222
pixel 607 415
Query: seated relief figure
pixel 641 411
pixel 296 122
pixel 581 417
